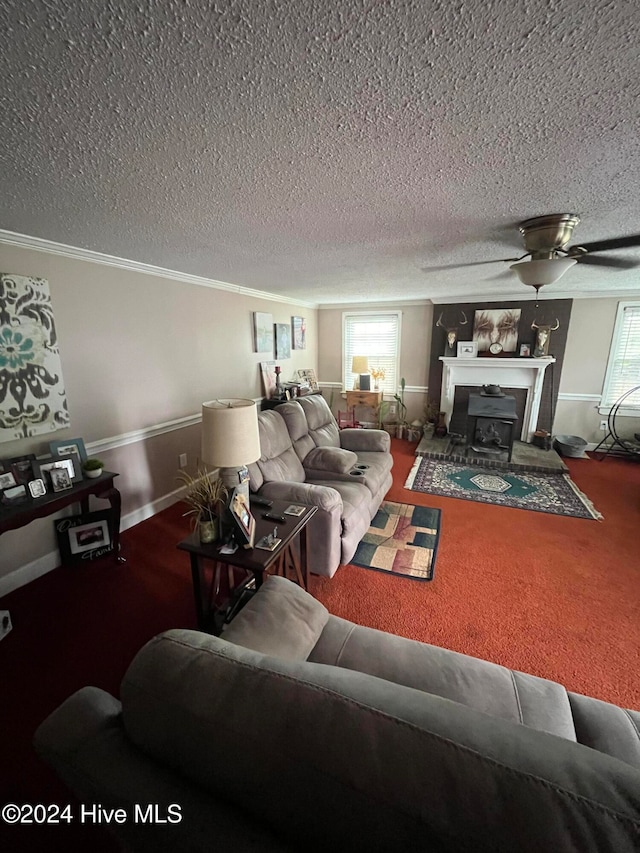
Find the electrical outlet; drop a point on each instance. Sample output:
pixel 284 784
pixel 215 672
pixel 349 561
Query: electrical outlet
pixel 392 409
pixel 182 460
pixel 603 426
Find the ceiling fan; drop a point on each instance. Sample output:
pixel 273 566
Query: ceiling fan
pixel 545 240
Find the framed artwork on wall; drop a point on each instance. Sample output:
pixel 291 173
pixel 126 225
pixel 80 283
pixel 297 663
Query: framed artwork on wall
pixel 496 330
pixel 283 340
pixel 263 332
pixel 299 332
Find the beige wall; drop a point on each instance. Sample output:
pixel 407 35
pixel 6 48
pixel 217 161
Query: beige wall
pixel 585 364
pixel 139 350
pixel 414 349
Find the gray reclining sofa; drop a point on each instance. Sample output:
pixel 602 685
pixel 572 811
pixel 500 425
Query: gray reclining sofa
pixel 297 730
pixel 345 473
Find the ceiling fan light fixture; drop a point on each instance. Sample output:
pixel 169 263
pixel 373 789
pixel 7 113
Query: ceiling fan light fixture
pixel 540 272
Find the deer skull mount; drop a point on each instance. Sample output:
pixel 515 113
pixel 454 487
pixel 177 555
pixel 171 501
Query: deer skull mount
pixel 543 338
pixel 452 333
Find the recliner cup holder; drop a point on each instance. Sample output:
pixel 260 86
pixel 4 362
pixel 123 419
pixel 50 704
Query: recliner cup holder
pixel 360 467
pixel 355 473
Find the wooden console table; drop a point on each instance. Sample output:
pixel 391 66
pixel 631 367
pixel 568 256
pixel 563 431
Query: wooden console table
pixel 12 517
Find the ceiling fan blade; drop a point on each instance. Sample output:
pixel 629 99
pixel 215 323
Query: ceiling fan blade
pixel 505 274
pixel 619 263
pixel 608 245
pixel 472 264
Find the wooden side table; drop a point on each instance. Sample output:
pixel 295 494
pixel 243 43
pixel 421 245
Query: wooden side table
pixel 208 564
pixel 364 398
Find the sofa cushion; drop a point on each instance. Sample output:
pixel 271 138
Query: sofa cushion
pixel 323 428
pixel 333 460
pixel 294 417
pixel 279 622
pixel 479 684
pixel 278 460
pixel 341 758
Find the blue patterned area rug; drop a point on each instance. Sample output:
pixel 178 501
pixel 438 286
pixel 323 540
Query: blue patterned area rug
pixel 553 493
pixel 402 540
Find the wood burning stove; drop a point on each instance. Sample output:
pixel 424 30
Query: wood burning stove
pixel 491 422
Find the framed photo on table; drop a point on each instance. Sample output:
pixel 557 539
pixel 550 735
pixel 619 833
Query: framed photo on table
pixel 243 520
pixel 43 468
pixel 70 447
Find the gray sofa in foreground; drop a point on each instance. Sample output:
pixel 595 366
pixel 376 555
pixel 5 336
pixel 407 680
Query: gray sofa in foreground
pixel 345 473
pixel 297 730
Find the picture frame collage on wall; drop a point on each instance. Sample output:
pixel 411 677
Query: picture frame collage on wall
pixel 278 338
pixel 28 476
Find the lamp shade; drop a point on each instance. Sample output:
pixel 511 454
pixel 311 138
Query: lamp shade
pixel 360 364
pixel 230 436
pixel 541 272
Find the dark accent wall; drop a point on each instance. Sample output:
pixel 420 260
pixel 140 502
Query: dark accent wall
pixel 546 313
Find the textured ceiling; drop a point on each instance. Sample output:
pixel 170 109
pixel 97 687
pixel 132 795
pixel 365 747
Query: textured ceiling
pixel 329 151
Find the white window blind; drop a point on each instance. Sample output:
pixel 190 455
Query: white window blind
pixel 623 368
pixel 376 335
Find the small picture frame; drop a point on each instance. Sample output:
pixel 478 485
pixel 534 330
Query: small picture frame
pixel 309 376
pixel 245 523
pixel 7 480
pixel 43 467
pixel 21 468
pixel 60 479
pixel 37 488
pixel 525 350
pixel 467 349
pixel 68 448
pixel 15 494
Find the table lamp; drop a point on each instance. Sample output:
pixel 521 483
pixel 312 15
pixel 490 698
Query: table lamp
pixel 360 365
pixel 230 440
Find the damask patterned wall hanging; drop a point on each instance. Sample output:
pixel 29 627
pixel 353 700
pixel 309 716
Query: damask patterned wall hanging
pixel 32 395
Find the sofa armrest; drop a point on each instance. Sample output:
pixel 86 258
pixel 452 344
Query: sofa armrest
pixel 365 439
pixel 85 742
pixel 324 530
pixel 324 497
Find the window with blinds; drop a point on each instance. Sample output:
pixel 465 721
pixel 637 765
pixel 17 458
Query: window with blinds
pixel 375 335
pixel 623 368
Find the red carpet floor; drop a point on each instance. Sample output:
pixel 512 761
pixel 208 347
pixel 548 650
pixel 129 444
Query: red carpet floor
pixel 555 596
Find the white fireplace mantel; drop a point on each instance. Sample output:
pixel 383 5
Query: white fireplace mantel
pixel 525 373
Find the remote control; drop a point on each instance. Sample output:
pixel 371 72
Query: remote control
pixel 258 500
pixel 272 516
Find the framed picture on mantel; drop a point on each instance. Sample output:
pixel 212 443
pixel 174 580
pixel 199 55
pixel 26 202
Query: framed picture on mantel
pixel 467 349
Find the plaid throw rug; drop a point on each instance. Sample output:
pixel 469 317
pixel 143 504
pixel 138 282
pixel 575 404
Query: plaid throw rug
pixel 402 540
pixel 553 493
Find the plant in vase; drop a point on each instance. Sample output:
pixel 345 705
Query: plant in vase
pixel 93 467
pixel 206 499
pixel 431 411
pixel 402 410
pixel 378 376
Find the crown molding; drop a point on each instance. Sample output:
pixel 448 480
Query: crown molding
pixel 39 244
